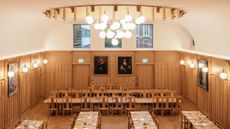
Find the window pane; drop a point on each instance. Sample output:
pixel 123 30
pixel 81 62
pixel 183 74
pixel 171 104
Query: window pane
pixel 108 43
pixel 81 36
pixel 144 36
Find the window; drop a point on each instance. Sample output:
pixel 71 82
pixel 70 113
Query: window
pixel 144 36
pixel 108 43
pixel 81 36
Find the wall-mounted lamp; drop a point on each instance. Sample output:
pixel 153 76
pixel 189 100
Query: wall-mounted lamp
pixel 25 68
pixel 200 65
pixel 36 63
pixel 182 62
pixel 11 74
pixel 45 61
pixel 1 75
pixel 205 69
pixel 192 65
pixel 223 75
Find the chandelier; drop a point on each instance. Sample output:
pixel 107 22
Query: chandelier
pixel 114 21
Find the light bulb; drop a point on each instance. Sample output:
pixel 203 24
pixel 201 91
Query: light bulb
pixel 102 34
pixel 89 19
pixel 115 42
pixel 182 62
pixel 45 61
pixel 1 75
pixel 192 65
pixel 201 65
pixel 128 34
pixel 205 69
pixel 10 74
pixel 97 26
pixel 128 18
pixel 120 34
pixel 35 64
pixel 25 69
pixel 104 18
pixel 223 75
pixel 110 34
pixel 140 19
pixel 115 26
pixel 125 27
pixel 122 21
pixel 130 26
pixel 103 26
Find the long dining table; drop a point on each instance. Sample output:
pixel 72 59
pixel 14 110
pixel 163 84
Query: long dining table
pixel 32 124
pixel 142 120
pixel 197 120
pixel 87 120
pixel 112 100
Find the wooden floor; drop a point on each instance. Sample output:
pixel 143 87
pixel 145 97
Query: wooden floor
pixel 40 112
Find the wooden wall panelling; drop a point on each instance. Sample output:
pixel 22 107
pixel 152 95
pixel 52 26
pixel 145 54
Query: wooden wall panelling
pixel 167 70
pixel 81 76
pixel 58 73
pixel 24 84
pixel 191 79
pixel 145 71
pixel 81 71
pixel 12 103
pixel 35 82
pixel 2 104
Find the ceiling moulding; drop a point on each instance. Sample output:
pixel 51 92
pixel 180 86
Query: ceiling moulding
pixel 114 11
pixel 21 54
pixel 206 54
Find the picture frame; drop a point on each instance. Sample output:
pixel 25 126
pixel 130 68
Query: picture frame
pixel 125 65
pixel 100 65
pixel 13 81
pixel 202 76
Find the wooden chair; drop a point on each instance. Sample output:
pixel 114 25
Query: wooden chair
pixel 117 106
pixel 52 105
pixel 86 105
pixel 157 106
pixel 68 106
pixel 167 106
pixel 131 106
pixel 104 106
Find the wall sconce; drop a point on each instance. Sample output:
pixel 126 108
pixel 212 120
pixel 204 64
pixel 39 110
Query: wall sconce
pixel 192 65
pixel 223 75
pixel 1 75
pixel 36 63
pixel 10 74
pixel 205 69
pixel 25 68
pixel 182 62
pixel 45 61
pixel 200 65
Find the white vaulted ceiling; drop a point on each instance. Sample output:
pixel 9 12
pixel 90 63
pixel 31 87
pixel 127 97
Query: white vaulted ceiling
pixel 24 28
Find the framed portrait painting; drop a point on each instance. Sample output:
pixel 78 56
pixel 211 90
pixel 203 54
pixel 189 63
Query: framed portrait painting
pixel 100 65
pixel 203 74
pixel 13 78
pixel 125 65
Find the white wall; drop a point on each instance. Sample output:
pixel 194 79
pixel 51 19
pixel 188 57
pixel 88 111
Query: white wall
pixel 165 37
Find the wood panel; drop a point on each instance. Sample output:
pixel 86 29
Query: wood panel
pixel 145 76
pixel 1 104
pixel 81 76
pixel 58 72
pixel 25 85
pixel 167 70
pixel 215 101
pixel 11 103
